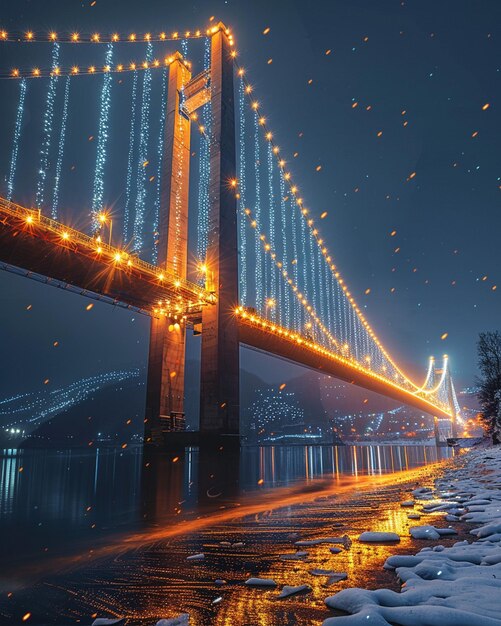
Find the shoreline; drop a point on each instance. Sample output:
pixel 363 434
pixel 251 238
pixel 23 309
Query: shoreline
pixel 456 584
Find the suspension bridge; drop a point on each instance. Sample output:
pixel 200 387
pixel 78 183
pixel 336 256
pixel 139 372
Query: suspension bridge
pixel 250 267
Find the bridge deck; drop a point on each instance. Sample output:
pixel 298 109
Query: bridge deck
pixel 269 338
pixel 38 244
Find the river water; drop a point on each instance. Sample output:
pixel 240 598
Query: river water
pixel 107 532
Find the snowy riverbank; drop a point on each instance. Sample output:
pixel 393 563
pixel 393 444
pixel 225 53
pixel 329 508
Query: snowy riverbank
pixel 455 586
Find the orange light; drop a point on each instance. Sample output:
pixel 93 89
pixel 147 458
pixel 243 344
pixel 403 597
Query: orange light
pixel 29 219
pixel 53 36
pixel 29 35
pixel 66 235
pixel 75 37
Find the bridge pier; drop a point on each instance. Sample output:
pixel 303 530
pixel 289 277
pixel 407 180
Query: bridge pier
pixel 219 404
pixel 166 361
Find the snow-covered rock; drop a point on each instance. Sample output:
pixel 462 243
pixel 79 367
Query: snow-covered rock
pixel 378 537
pixel 287 591
pixel 180 620
pixel 430 532
pixel 260 582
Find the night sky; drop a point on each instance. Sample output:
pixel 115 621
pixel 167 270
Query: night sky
pixel 395 115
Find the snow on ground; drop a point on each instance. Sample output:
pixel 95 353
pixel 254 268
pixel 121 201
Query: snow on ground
pixel 455 586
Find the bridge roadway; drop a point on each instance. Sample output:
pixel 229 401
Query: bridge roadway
pixel 42 246
pixel 36 244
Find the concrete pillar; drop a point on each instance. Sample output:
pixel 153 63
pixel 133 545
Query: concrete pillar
pixel 219 408
pixel 165 386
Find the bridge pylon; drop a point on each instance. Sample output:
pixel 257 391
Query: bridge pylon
pixel 220 377
pixel 166 361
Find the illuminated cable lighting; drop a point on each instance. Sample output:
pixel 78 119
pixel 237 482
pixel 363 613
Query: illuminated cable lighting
pixel 160 153
pixel 259 261
pixel 130 159
pixel 204 169
pixel 271 216
pixel 184 48
pixel 283 213
pixel 60 152
pixel 102 140
pixel 47 130
pixel 242 192
pixel 144 136
pixel 17 136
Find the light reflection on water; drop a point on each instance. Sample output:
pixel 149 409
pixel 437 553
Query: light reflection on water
pixel 138 517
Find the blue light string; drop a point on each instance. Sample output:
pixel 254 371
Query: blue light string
pixel 283 213
pixel 102 140
pixel 160 154
pixel 130 159
pixel 311 265
pixel 242 192
pixel 271 215
pixel 328 299
pixel 184 48
pixel 204 169
pixel 296 307
pixel 47 129
pixel 144 137
pixel 60 152
pixel 17 135
pixel 320 290
pixel 257 212
pixel 304 257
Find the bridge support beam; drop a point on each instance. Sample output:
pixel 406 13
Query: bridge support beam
pixel 166 362
pixel 219 409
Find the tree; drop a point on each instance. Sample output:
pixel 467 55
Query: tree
pixel 489 395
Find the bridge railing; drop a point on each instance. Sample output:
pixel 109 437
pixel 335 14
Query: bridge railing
pixel 71 235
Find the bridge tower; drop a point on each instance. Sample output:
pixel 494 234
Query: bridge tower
pixel 166 360
pixel 219 397
pixel 219 406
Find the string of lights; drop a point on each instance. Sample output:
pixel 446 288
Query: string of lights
pixel 60 152
pixel 310 313
pixel 142 161
pixel 242 166
pixel 297 313
pixel 77 70
pixel 160 153
pixel 257 211
pixel 17 135
pixel 204 169
pixel 320 243
pixel 283 214
pixel 47 131
pixel 184 48
pixel 102 141
pixel 271 217
pixel 75 37
pixel 130 160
